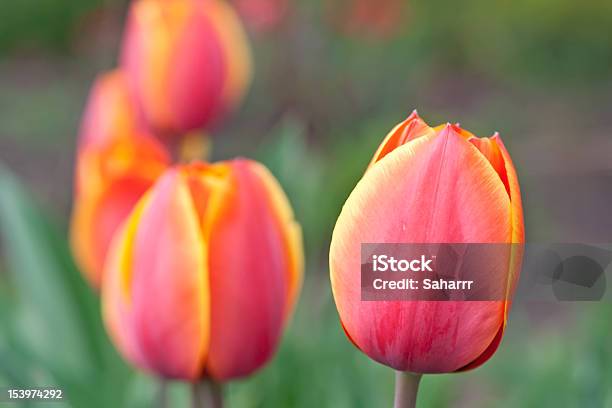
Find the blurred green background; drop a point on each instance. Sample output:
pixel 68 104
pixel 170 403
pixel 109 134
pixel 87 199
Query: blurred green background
pixel 329 84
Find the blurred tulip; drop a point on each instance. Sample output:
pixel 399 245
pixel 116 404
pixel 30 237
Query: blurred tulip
pixel 109 112
pixel 204 275
pixel 262 15
pixel 187 62
pixel 428 185
pixel 115 164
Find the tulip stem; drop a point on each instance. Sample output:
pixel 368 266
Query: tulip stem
pixel 207 394
pixel 162 393
pixel 192 147
pixel 406 388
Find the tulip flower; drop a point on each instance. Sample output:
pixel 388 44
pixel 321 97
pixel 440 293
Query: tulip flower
pixel 204 274
pixel 116 164
pixel 109 111
pixel 428 185
pixel 187 62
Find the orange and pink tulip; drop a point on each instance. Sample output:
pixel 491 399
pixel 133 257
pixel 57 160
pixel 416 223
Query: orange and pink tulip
pixel 187 62
pixel 204 275
pixel 116 164
pixel 428 185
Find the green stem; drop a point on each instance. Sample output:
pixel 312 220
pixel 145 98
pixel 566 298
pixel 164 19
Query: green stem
pixel 206 394
pixel 406 388
pixel 194 146
pixel 162 393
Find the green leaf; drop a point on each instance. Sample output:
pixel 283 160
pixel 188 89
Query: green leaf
pixel 47 284
pixel 57 318
pixel 299 171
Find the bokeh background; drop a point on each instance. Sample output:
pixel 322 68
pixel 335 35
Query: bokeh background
pixel 331 79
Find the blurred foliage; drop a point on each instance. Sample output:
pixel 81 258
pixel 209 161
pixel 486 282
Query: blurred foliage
pixel 526 39
pixel 41 24
pixel 547 39
pixel 52 333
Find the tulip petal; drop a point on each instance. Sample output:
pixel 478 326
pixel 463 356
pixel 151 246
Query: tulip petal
pixel 250 254
pixel 110 179
pixel 291 233
pixel 115 294
pixel 439 189
pixel 457 130
pixel 198 71
pixel 495 152
pixel 96 219
pixel 518 226
pixel 413 127
pixel 488 353
pixel 490 149
pixel 151 34
pixel 169 282
pixel 109 111
pixel 237 52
